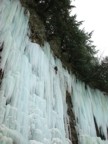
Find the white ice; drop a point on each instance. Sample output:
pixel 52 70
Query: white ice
pixel 31 93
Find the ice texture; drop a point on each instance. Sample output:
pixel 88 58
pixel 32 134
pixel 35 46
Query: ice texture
pixel 32 96
pixel 90 108
pixel 33 107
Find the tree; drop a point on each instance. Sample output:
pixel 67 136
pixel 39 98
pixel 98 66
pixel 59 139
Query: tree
pixel 76 47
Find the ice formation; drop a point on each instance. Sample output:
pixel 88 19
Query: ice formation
pixel 33 107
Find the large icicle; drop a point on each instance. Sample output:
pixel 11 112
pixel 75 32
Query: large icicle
pixel 31 93
pixel 90 107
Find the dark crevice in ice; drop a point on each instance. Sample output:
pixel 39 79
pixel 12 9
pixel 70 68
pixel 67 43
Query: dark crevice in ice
pixel 99 132
pixel 72 130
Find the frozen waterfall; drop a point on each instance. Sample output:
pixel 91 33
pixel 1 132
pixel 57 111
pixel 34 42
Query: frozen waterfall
pixel 33 108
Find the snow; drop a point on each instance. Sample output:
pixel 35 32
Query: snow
pixel 33 107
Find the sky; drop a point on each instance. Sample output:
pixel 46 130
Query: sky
pixel 94 13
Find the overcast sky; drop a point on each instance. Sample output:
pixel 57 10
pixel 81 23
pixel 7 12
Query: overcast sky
pixel 94 13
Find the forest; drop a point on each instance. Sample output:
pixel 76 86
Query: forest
pixel 76 49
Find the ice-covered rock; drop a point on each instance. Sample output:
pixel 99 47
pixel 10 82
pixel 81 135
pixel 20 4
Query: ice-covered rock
pixel 33 107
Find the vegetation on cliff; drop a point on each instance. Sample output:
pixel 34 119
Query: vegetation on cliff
pixel 73 45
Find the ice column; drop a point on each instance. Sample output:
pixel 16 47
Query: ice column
pixel 32 93
pixel 90 107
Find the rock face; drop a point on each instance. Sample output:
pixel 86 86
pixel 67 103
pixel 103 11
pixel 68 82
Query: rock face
pixel 72 124
pixel 40 101
pixel 37 29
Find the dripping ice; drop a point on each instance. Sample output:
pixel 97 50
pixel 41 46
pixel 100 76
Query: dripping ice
pixel 33 107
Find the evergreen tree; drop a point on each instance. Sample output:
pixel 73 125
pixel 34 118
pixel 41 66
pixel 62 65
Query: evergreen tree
pixel 76 48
